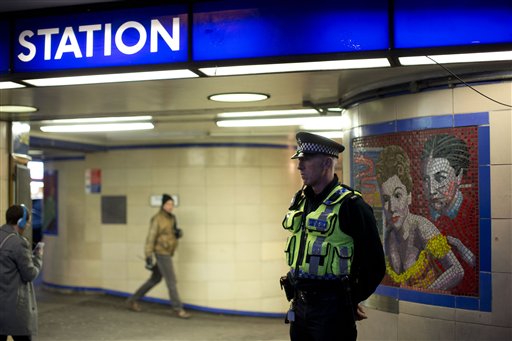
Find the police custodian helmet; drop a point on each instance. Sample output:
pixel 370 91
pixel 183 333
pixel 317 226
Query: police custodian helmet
pixel 308 143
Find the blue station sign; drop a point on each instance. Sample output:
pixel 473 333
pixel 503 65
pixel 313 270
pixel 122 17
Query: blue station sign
pixel 5 51
pixel 128 37
pixel 437 23
pixel 255 29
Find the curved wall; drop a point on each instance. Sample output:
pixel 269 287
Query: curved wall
pixel 231 203
pixel 403 314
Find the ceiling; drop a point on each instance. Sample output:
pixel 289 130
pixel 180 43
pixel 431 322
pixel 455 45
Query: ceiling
pixel 181 110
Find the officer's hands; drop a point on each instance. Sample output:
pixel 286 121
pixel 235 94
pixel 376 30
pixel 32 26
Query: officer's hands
pixel 360 313
pixel 149 263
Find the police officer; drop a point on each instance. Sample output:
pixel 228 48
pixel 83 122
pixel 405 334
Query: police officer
pixel 334 251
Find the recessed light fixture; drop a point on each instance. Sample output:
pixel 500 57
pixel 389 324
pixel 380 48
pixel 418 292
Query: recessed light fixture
pixel 239 97
pixel 98 120
pixel 17 108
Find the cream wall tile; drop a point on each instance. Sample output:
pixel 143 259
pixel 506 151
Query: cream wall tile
pixel 221 271
pixel 164 178
pixel 247 176
pixel 467 100
pixel 273 269
pixel 221 214
pixel 192 252
pixel 139 177
pixel 194 292
pixel 194 196
pixel 271 251
pixel 501 245
pixel 114 270
pixel 165 158
pixel 272 176
pixel 274 305
pixel 115 251
pixel 279 196
pixel 221 252
pixel 139 215
pixel 192 176
pixel 379 326
pixel 377 111
pixel 469 331
pixel 220 233
pixel 195 272
pixel 501 305
pixel 411 327
pixel 501 138
pixel 248 304
pixel 220 195
pixel 248 195
pixel 193 157
pixel 275 156
pixel 222 290
pixel 248 251
pixel 219 157
pixel 248 157
pixel 427 103
pixel 247 214
pixel 501 191
pixel 248 289
pixel 220 176
pixel 247 233
pixel 426 310
pixel 247 271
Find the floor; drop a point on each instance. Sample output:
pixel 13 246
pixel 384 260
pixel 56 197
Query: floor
pixel 86 316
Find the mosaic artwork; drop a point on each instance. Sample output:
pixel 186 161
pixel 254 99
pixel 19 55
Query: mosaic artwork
pixel 423 186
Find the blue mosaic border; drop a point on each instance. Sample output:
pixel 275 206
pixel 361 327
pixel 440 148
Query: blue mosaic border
pixel 480 119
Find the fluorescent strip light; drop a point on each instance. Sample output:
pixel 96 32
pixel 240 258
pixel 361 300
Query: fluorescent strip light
pixel 112 78
pixel 293 67
pixel 10 85
pixel 17 108
pixel 309 123
pixel 238 97
pixel 334 134
pixel 268 113
pixel 457 58
pixel 94 128
pixel 99 120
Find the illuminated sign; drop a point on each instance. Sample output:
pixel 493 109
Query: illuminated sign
pixel 4 47
pixel 451 23
pixel 251 29
pixel 128 37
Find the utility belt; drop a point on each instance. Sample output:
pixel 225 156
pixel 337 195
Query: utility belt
pixel 337 289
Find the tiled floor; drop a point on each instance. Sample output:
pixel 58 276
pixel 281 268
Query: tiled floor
pixel 80 317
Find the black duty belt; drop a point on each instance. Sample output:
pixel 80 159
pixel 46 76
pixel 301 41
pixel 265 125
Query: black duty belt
pixel 320 295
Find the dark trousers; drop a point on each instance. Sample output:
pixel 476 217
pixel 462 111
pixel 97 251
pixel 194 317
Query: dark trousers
pixel 323 318
pixel 17 337
pixel 164 268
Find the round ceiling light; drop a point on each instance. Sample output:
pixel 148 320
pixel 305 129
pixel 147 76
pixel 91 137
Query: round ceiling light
pixel 239 97
pixel 16 108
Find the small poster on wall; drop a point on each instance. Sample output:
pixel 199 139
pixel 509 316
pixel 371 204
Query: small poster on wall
pixel 93 180
pixel 50 203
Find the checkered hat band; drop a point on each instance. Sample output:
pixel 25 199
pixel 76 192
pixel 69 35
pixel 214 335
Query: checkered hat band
pixel 312 148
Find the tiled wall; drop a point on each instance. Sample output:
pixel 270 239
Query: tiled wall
pixel 4 170
pixel 231 203
pixel 416 321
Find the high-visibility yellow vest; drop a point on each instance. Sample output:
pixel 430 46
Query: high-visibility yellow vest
pixel 328 251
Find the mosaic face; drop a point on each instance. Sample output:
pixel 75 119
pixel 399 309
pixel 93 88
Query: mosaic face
pixel 395 202
pixel 421 181
pixel 440 184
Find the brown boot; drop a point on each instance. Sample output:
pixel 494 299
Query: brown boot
pixel 134 306
pixel 182 313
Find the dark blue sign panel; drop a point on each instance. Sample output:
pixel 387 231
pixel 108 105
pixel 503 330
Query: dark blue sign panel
pixel 449 23
pixel 5 51
pixel 128 37
pixel 252 29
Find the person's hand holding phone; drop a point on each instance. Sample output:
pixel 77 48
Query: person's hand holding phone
pixel 39 249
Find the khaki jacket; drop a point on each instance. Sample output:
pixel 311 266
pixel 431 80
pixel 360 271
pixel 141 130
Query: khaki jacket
pixel 161 239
